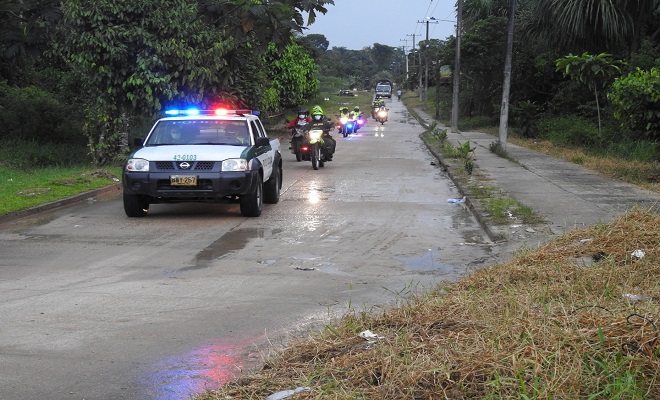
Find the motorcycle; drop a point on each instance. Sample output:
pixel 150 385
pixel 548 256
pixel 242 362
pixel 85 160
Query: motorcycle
pixel 297 146
pixel 359 121
pixel 345 126
pixel 381 115
pixel 314 144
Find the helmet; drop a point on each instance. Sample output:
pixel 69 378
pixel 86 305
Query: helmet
pixel 316 110
pixel 356 108
pixel 344 109
pixel 303 111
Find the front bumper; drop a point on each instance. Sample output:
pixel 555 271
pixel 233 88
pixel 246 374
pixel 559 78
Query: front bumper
pixel 211 186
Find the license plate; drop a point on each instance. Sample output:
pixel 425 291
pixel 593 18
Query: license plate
pixel 183 180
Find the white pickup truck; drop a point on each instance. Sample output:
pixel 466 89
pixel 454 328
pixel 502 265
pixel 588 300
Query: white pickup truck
pixel 213 156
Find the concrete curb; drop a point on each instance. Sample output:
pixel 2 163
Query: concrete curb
pixel 474 209
pixel 60 203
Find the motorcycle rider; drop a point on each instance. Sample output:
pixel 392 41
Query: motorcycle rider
pixel 343 112
pixel 356 115
pixel 320 121
pixel 302 120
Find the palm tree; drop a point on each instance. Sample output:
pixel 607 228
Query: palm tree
pixel 598 24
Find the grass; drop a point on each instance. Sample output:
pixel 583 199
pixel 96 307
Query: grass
pixel 22 189
pixel 552 323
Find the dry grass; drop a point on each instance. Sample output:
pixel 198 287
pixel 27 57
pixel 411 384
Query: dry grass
pixel 553 323
pixel 645 174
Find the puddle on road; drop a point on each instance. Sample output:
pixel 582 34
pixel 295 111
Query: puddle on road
pixel 427 263
pixel 206 368
pixel 228 243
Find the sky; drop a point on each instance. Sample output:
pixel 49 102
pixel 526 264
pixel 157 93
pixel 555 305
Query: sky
pixel 356 24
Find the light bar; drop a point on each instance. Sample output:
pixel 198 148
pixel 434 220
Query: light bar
pixel 217 111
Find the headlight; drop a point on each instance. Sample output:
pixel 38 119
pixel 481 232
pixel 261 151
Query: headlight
pixel 137 165
pixel 343 120
pixel 315 133
pixel 382 114
pixel 235 164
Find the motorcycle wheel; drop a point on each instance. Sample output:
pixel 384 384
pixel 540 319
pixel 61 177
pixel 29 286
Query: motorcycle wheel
pixel 344 132
pixel 315 156
pixel 299 156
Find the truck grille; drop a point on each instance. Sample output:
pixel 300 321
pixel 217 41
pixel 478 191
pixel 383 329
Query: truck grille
pixel 174 166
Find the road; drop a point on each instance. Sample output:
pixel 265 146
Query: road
pixel 96 305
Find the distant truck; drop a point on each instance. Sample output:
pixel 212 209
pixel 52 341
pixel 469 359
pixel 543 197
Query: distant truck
pixel 384 88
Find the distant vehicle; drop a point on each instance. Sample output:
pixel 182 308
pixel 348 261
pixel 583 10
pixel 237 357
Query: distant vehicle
pixel 384 88
pixel 346 92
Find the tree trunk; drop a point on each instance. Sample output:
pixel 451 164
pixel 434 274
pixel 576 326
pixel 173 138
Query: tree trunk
pixel 506 87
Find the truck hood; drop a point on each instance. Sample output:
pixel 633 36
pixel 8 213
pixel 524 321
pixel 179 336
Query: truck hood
pixel 190 152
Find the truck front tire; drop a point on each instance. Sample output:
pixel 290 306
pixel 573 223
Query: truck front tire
pixel 253 203
pixel 135 206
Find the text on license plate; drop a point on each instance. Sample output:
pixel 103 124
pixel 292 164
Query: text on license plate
pixel 183 180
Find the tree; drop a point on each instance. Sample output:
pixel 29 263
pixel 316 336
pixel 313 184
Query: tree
pixel 595 71
pixel 25 29
pixel 292 76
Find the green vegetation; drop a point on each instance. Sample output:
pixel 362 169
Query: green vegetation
pixel 24 188
pixel 572 319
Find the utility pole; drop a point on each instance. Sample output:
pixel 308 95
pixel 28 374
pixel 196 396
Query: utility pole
pixel 457 68
pixel 413 48
pixel 405 53
pixel 426 62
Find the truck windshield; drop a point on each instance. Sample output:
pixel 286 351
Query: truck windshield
pixel 178 132
pixel 383 88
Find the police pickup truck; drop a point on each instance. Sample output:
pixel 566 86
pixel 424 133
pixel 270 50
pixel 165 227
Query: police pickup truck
pixel 212 156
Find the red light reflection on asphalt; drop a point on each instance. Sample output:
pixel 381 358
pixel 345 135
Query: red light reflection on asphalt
pixel 206 368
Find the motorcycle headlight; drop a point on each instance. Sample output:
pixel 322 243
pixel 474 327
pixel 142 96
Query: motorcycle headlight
pixel 137 165
pixel 343 120
pixel 235 164
pixel 315 134
pixel 382 114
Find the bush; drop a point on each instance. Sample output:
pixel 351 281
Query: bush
pixel 32 114
pixel 570 131
pixel 636 101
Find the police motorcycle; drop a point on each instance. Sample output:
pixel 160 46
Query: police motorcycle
pixel 298 136
pixel 358 119
pixel 316 132
pixel 315 143
pixel 376 106
pixel 381 115
pixel 345 125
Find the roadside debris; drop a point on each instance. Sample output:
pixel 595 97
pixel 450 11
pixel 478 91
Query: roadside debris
pixel 461 200
pixel 370 336
pixel 634 298
pixel 287 393
pixel 638 253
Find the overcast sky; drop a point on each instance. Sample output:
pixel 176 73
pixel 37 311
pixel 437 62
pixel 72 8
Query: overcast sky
pixel 356 24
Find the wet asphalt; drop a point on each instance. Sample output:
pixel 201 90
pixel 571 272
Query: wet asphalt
pixel 96 305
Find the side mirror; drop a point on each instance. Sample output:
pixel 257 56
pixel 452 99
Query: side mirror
pixel 138 142
pixel 262 141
